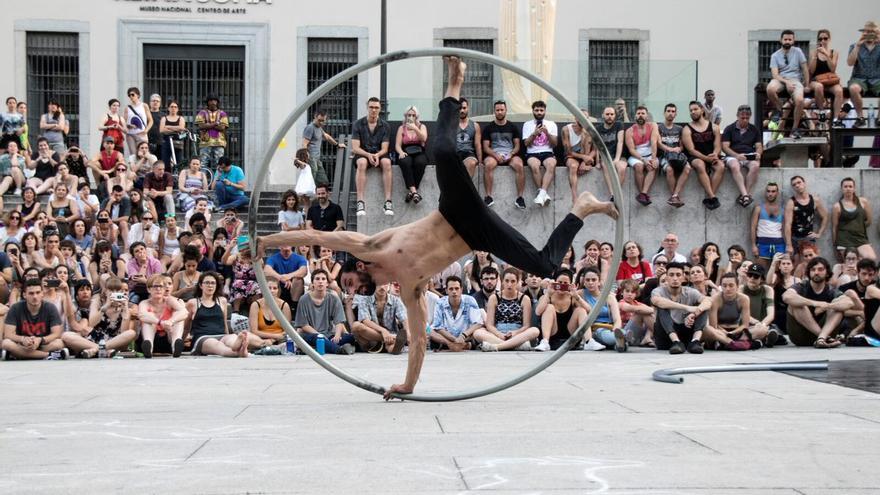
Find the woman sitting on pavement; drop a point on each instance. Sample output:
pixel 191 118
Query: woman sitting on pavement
pixel 105 265
pixel 161 316
pixel 608 327
pixel 207 323
pixel 729 318
pixel 108 323
pixel 508 318
pixel 261 323
pixel 562 312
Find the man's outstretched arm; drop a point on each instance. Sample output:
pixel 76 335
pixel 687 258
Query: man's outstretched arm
pixel 416 309
pixel 340 240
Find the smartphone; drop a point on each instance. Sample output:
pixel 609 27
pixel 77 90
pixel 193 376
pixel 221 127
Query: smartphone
pixel 751 156
pixel 539 122
pixel 561 286
pixel 53 283
pixel 410 119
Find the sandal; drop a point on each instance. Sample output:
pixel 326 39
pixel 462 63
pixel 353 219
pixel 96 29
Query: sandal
pixel 417 198
pixel 821 343
pixel 746 201
pixel 409 197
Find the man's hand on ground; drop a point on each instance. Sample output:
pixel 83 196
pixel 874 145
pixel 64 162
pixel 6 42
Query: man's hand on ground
pixel 400 388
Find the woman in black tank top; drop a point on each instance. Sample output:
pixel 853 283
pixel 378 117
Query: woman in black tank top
pixel 207 325
pixel 823 61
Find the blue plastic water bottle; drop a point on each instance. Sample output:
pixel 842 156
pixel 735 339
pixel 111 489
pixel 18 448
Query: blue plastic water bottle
pixel 291 347
pixel 320 344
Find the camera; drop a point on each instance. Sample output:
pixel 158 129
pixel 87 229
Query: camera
pixel 103 220
pixel 117 297
pixel 561 286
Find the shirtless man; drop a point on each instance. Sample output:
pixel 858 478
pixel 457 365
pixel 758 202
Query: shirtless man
pixel 462 223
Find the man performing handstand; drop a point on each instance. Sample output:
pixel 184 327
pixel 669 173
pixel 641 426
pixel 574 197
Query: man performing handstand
pixel 411 254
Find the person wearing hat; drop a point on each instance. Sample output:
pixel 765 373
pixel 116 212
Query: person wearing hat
pixel 761 307
pixel 212 123
pixel 864 58
pixel 741 142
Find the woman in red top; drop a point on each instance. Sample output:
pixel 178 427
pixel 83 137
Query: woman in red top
pixel 633 266
pixel 112 126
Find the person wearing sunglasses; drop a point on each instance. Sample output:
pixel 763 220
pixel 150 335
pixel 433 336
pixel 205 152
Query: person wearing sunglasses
pixel 788 66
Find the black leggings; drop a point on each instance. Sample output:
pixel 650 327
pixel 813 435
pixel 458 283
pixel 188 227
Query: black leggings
pixel 413 169
pixel 481 228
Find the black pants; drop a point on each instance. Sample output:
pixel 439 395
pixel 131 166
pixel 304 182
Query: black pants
pixel 664 325
pixel 413 169
pixel 480 227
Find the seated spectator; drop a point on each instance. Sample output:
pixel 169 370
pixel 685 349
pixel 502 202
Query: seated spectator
pixel 741 142
pixel 641 141
pixel 207 324
pixel 369 145
pixel 198 245
pixel 42 165
pixel 469 139
pixel 815 309
pixel 140 165
pixel 81 238
pixel 865 295
pixel 244 288
pixel 326 260
pixel 736 257
pixel 191 184
pixel 761 307
pixel 508 318
pixel 438 282
pixel 141 268
pixel 637 317
pixel 864 58
pixel 562 312
pixel 230 223
pixel 202 207
pixel 702 142
pixel 540 136
pixel 13 229
pixel 850 218
pixel 185 281
pixel 62 210
pixel 105 162
pixel 682 313
pixel 290 217
pixel 105 264
pixel 669 249
pixel 789 71
pixel 261 317
pixel 229 185
pixel 30 245
pixel 62 176
pixel 591 258
pixel 780 276
pixel 158 187
pixel 140 204
pixel 410 142
pixel 146 232
pixel 633 266
pixel 378 322
pixel 32 327
pixel 325 215
pixel 169 244
pixel 160 316
pixel 290 269
pixel 673 161
pixel 647 285
pixel 808 252
pixel 80 306
pixel 607 328
pixel 118 205
pixel 456 318
pixel 122 178
pixel 823 73
pixel 11 270
pixel 108 324
pixel 501 146
pixel 580 154
pixel 222 243
pixel 487 287
pixel 568 259
pixel 87 203
pixel 611 132
pixel 846 272
pixel 473 268
pixel 729 318
pixel 12 166
pixel 50 255
pixel 320 312
pixel 29 208
pixel 77 163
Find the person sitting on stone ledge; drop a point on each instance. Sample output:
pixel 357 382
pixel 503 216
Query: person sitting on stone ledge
pixel 369 145
pixel 815 309
pixel 501 146
pixel 580 154
pixel 641 140
pixel 412 136
pixel 702 142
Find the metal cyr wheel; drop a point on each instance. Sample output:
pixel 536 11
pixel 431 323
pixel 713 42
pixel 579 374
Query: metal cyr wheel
pixel 411 54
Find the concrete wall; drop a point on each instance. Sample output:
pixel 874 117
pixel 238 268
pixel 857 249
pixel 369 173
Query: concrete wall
pixel 694 225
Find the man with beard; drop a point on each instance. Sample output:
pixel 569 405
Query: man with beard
pixel 641 141
pixel 540 137
pixel 767 223
pixel 313 135
pixel 462 223
pixel 865 295
pixel 741 142
pixel 212 123
pixel 673 161
pixel 815 309
pixel 468 143
pixel 488 286
pixel 790 72
pixel 501 146
pixel 611 133
pixel 324 215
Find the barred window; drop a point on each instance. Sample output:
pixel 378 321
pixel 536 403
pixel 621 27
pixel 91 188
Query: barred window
pixel 52 74
pixel 614 73
pixel 766 49
pixel 479 78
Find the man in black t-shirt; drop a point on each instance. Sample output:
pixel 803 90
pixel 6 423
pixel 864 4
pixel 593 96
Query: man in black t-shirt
pixel 865 295
pixel 501 145
pixel 369 144
pixel 815 309
pixel 324 215
pixel 741 141
pixel 32 327
pixel 611 133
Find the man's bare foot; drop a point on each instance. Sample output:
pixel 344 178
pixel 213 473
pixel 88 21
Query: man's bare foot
pixel 458 346
pixel 456 76
pixel 242 344
pixel 587 204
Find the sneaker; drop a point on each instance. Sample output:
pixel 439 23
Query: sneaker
pixel 781 340
pixel 4 356
pixel 361 209
pixel 54 356
pixel 837 123
pixel 796 134
pixel 346 349
pixel 643 199
pixel 755 345
pixel 488 347
pixel 177 348
pixel 695 347
pixel 389 208
pixel 147 349
pixel 707 202
pixel 539 198
pixel 544 345
pixel 520 203
pixel 269 350
pixel 619 340
pixel 714 203
pixel 772 337
pixel 489 201
pixel 860 122
pixel 738 345
pixel 676 348
pixel 592 345
pixel 525 346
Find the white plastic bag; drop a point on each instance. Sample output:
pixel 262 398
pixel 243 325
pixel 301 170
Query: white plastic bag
pixel 305 183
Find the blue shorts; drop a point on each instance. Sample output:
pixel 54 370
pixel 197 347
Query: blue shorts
pixel 768 247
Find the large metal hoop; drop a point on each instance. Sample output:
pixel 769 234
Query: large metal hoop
pixel 422 53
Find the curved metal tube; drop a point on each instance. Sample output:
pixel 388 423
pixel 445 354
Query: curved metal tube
pixel 668 375
pixel 422 53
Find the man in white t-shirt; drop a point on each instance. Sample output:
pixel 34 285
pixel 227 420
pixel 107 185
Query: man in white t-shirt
pixel 540 137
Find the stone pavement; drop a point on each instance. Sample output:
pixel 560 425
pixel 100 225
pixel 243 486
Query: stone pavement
pixel 593 423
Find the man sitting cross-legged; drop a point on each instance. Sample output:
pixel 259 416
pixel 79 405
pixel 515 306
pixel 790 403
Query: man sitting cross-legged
pixel 32 328
pixel 682 313
pixel 456 318
pixel 815 309
pixel 378 321
pixel 463 223
pixel 320 314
